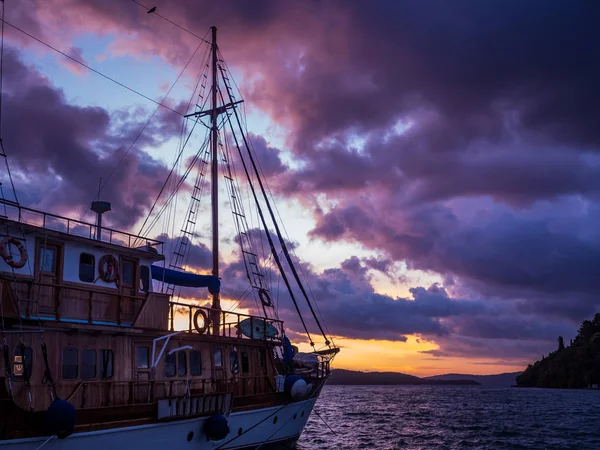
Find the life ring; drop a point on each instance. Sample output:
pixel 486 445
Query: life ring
pixel 7 257
pixel 200 329
pixel 108 268
pixel 265 298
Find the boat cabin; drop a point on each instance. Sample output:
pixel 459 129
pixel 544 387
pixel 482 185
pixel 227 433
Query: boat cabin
pixel 83 323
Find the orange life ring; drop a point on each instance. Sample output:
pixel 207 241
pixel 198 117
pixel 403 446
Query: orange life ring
pixel 7 257
pixel 108 268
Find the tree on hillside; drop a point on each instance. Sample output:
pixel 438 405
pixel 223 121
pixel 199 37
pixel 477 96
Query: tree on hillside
pixel 561 343
pixel 586 330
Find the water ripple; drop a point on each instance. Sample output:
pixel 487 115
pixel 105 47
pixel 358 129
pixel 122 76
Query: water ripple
pixel 453 417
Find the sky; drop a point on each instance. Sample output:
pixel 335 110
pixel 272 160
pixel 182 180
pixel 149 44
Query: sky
pixel 436 164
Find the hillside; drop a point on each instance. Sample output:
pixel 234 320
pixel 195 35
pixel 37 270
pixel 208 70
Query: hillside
pixel 573 366
pixel 498 380
pixel 351 377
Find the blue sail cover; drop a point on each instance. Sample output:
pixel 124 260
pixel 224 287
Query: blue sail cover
pixel 186 279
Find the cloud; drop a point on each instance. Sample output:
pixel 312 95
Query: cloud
pixel 58 151
pixel 458 139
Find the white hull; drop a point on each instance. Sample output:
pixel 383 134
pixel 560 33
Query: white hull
pixel 174 435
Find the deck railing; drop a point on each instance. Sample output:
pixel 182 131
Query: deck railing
pixel 73 303
pixel 100 393
pixel 48 221
pixel 229 322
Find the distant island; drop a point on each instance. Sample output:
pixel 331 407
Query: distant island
pixel 574 366
pixel 497 380
pixel 351 377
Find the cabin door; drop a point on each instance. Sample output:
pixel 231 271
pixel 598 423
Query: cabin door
pixel 218 366
pixel 48 275
pixel 128 285
pixel 142 366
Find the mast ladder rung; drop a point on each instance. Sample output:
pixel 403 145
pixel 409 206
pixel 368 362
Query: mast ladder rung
pixel 178 254
pixel 197 199
pixel 192 222
pixel 187 232
pixel 238 214
pixel 249 253
pixel 228 178
pixel 258 274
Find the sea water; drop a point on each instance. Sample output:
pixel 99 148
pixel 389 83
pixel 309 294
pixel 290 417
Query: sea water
pixel 451 417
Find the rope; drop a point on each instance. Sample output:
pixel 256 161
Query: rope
pixel 323 420
pixel 153 11
pixel 45 442
pixel 81 63
pixel 7 371
pixel 264 223
pixel 1 66
pixel 277 230
pixel 103 185
pixel 47 377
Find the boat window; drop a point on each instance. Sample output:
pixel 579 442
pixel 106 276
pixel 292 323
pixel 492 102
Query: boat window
pixel 170 361
pixel 106 363
pixel 245 363
pixel 70 367
pixel 20 366
pixel 218 357
pixel 47 259
pixel 128 270
pixel 195 362
pixel 86 267
pixel 142 357
pixel 88 364
pixel 181 364
pixel 144 278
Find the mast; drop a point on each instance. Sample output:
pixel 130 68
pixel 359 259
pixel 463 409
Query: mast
pixel 216 303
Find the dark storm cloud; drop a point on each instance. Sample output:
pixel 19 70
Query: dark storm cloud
pixel 59 151
pixel 479 162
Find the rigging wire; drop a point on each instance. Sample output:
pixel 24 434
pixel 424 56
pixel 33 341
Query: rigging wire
pixel 270 193
pixel 81 63
pixel 271 244
pixel 103 185
pixel 12 184
pixel 277 230
pixel 148 10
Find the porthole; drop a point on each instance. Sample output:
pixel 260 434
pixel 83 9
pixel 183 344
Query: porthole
pixel 302 414
pixel 190 436
pixel 240 431
pixel 275 420
pixel 295 415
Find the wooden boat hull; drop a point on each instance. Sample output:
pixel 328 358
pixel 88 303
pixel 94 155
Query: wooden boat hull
pixel 274 427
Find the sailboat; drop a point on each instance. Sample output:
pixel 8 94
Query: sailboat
pixel 100 349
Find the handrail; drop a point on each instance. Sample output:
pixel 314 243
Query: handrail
pixel 225 328
pixel 73 224
pixel 75 288
pixel 189 305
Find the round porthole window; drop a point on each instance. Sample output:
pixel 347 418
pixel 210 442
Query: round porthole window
pixel 190 436
pixel 295 415
pixel 240 431
pixel 302 414
pixel 275 420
